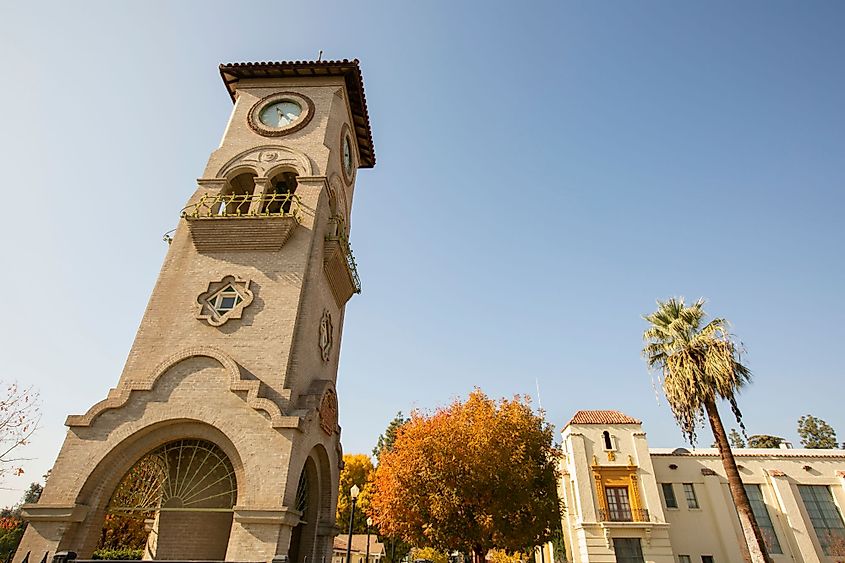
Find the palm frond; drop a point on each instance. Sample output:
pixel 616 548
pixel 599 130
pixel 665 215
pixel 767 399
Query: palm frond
pixel 698 363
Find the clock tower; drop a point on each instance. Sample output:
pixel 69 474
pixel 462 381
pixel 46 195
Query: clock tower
pixel 220 440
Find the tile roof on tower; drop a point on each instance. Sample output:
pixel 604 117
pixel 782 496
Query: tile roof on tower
pixel 602 417
pixel 232 73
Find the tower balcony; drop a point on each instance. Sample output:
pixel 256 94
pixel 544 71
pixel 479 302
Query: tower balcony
pixel 242 221
pixel 340 269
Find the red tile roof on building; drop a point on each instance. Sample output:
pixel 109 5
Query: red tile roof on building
pixel 602 417
pixel 232 73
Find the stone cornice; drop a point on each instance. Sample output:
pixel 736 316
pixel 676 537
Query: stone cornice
pixel 54 512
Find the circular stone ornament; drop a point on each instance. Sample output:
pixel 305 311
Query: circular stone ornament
pixel 280 114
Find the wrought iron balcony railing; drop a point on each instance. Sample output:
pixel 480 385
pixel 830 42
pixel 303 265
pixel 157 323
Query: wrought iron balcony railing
pixel 350 260
pixel 236 222
pixel 624 515
pixel 227 206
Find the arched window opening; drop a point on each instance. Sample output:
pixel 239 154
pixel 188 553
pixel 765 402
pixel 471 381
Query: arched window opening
pixel 282 189
pixel 184 486
pixel 237 195
pixel 608 440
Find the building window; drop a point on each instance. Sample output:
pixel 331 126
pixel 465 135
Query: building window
pixel 669 495
pixel 825 517
pixel 225 300
pixel 684 559
pixel 761 514
pixel 689 493
pixel 608 440
pixel 706 559
pixel 628 550
pixel 618 504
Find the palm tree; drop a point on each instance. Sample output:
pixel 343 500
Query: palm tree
pixel 700 365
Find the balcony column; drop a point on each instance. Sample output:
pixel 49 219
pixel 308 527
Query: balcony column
pixel 262 187
pixel 214 186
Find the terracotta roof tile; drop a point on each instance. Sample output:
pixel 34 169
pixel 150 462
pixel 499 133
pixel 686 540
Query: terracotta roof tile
pixel 232 73
pixel 602 417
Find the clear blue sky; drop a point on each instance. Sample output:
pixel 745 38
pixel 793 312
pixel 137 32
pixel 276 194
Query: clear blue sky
pixel 545 172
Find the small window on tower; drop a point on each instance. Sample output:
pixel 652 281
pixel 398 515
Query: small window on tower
pixel 225 300
pixel 608 440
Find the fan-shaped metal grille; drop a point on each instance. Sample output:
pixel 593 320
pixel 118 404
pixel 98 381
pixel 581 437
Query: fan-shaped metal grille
pixel 302 493
pixel 181 475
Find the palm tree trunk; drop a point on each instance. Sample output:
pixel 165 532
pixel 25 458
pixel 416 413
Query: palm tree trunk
pixel 755 549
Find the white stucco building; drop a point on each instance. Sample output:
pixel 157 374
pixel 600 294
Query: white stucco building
pixel 627 502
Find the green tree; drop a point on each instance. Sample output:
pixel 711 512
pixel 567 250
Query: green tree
pixel 473 476
pixel 816 433
pixel 388 438
pixel 764 441
pixel 700 365
pixel 735 439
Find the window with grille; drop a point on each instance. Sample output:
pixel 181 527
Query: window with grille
pixel 628 550
pixel 669 495
pixel 825 517
pixel 618 504
pixel 689 493
pixel 684 559
pixel 764 521
pixel 225 300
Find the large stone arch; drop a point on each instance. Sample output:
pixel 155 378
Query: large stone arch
pixel 104 479
pixel 238 384
pixel 312 536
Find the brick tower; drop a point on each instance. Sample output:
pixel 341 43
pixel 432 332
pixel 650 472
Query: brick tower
pixel 220 441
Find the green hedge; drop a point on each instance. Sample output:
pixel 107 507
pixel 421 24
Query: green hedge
pixel 118 554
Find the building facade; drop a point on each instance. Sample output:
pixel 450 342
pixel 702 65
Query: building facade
pixel 221 437
pixel 359 551
pixel 627 502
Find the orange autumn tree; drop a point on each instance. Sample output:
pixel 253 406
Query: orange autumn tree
pixel 472 476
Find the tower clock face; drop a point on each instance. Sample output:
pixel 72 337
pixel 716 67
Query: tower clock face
pixel 347 157
pixel 280 114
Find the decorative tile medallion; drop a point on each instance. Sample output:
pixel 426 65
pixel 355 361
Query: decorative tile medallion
pixel 224 300
pixel 328 412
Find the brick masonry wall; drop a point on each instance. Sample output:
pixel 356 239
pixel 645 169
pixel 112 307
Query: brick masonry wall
pixel 275 343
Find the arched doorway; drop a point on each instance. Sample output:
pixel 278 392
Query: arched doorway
pixel 304 534
pixel 174 503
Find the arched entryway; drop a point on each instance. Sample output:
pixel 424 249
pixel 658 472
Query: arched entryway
pixel 174 503
pixel 304 534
